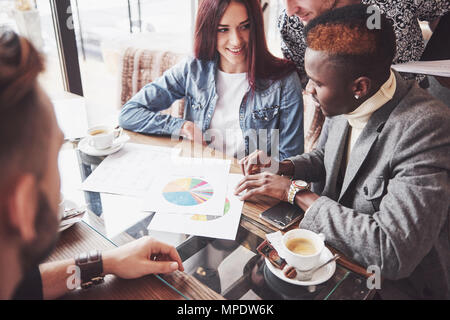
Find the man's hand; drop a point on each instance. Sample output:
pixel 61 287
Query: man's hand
pixel 190 131
pixel 256 161
pixel 266 184
pixel 141 257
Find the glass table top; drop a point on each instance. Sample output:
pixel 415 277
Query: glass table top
pixel 232 268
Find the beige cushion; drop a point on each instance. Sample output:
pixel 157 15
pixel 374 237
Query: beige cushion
pixel 142 66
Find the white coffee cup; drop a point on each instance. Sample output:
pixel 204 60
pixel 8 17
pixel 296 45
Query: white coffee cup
pixel 303 261
pixel 103 137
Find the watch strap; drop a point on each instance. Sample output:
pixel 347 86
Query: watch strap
pixel 294 189
pixel 292 192
pixel 91 268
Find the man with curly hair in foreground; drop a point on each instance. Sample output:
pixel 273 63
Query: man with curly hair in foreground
pixel 30 192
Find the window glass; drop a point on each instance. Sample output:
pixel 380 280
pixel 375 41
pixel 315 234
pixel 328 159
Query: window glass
pixel 106 28
pixel 271 12
pixel 33 20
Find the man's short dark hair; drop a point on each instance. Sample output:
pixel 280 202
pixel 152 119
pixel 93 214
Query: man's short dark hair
pixel 23 120
pixel 344 34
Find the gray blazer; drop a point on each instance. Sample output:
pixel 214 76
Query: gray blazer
pixel 393 208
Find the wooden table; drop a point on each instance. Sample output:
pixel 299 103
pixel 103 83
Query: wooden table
pixel 346 283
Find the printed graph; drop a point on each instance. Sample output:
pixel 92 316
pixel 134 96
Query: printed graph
pixel 203 217
pixel 188 191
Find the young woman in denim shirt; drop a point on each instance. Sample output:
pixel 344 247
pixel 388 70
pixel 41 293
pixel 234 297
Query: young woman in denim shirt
pixel 237 94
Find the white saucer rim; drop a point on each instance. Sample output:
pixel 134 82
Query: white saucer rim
pixel 67 226
pixel 84 147
pixel 280 275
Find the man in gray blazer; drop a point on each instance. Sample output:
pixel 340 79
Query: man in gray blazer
pixel 380 185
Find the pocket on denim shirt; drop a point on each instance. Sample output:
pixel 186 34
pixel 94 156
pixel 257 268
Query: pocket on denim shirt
pixel 194 104
pixel 266 114
pixel 194 110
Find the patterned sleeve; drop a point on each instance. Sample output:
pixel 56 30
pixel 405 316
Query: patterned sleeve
pixel 293 43
pixel 429 10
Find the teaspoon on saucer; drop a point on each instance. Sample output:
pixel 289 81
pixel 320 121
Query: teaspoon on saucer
pixel 308 274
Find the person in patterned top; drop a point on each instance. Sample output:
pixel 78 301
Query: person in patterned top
pixel 404 14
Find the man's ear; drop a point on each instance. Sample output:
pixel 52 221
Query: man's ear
pixel 361 86
pixel 22 206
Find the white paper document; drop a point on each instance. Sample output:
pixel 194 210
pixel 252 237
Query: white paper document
pixel 189 186
pixel 440 68
pixel 121 213
pixel 130 171
pixel 221 227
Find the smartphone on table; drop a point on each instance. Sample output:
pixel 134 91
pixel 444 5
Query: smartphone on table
pixel 282 215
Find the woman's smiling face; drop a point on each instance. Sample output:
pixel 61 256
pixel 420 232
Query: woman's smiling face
pixel 233 34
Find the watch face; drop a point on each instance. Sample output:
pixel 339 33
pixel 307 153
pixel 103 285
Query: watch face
pixel 300 183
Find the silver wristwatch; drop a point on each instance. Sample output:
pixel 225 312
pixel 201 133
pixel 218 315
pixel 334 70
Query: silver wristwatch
pixel 296 186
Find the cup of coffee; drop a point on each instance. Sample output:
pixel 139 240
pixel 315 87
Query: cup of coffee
pixel 302 248
pixel 102 137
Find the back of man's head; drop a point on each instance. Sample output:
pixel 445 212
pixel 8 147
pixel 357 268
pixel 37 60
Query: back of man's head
pixel 357 37
pixel 23 121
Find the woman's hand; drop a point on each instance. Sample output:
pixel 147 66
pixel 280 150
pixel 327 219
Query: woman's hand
pixel 190 131
pixel 265 184
pixel 141 257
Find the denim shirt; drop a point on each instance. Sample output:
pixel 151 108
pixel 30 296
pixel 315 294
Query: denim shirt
pixel 274 105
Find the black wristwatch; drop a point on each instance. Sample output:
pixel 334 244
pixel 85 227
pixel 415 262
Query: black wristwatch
pixel 91 268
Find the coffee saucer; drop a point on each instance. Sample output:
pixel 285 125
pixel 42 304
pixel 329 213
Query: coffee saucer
pixel 86 148
pixel 319 277
pixel 67 223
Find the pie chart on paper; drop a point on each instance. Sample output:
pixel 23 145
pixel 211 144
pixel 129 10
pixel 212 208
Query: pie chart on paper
pixel 202 217
pixel 188 191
